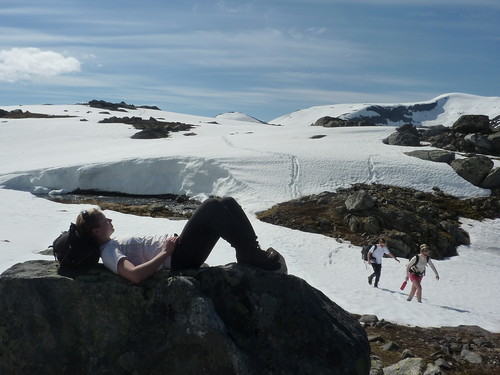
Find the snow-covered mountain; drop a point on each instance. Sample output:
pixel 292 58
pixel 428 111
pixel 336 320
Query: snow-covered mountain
pixel 259 165
pixel 444 109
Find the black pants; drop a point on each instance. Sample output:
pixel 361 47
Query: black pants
pixel 214 219
pixel 377 270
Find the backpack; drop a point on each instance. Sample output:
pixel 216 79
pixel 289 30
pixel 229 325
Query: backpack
pixel 413 269
pixel 364 251
pixel 74 251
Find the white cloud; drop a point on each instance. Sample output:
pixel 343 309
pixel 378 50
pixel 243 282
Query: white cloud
pixel 19 64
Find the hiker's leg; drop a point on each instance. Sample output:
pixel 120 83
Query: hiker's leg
pixel 419 291
pixel 412 291
pixel 370 278
pixel 378 271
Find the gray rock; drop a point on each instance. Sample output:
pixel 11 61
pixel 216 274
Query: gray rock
pixel 438 156
pixel 358 201
pixel 454 230
pixel 408 366
pixel 492 180
pixel 432 369
pixel 443 364
pixel 473 169
pixel 408 128
pixel 467 124
pixel 390 346
pixel 480 142
pixel 435 130
pixel 375 338
pixel 377 367
pixel 495 141
pixel 407 353
pixel 471 357
pixel 368 318
pixel 402 139
pixel 217 320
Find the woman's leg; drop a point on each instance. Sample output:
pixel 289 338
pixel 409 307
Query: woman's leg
pixel 419 291
pixel 235 209
pixel 214 219
pixel 416 287
pixel 412 291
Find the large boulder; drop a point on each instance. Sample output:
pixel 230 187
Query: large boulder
pixel 495 141
pixel 218 320
pixel 467 124
pixel 492 180
pixel 402 139
pixel 439 156
pixel 473 169
pixel 359 200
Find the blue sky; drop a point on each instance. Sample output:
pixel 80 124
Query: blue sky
pixel 264 58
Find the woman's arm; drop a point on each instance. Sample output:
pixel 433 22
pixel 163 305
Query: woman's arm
pixel 429 262
pixel 138 273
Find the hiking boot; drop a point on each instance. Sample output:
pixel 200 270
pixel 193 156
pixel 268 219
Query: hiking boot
pixel 268 260
pixel 370 279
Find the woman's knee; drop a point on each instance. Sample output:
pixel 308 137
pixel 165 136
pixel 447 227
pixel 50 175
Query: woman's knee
pixel 210 203
pixel 228 202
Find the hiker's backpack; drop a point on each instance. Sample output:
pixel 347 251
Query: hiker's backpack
pixel 364 251
pixel 74 251
pixel 414 270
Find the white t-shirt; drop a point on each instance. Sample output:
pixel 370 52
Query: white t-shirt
pixel 137 250
pixel 378 253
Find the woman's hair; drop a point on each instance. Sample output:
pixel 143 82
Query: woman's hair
pixel 424 247
pixel 86 221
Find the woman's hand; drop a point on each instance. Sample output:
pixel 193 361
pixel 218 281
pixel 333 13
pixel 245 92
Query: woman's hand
pixel 170 244
pixel 136 274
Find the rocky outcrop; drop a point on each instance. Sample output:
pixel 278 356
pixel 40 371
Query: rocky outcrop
pixel 438 156
pixel 403 350
pixel 219 320
pixel 470 134
pixel 150 128
pixel 473 169
pixel 335 122
pixel 406 135
pixel 406 217
pixel 121 107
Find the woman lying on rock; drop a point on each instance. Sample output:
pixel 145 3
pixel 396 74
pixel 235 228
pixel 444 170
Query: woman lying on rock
pixel 137 258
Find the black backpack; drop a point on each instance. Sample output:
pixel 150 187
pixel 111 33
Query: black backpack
pixel 74 251
pixel 364 251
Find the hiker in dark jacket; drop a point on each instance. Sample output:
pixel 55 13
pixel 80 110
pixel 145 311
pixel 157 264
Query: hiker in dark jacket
pixel 375 256
pixel 415 271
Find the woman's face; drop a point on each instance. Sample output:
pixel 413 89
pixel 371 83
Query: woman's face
pixel 105 227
